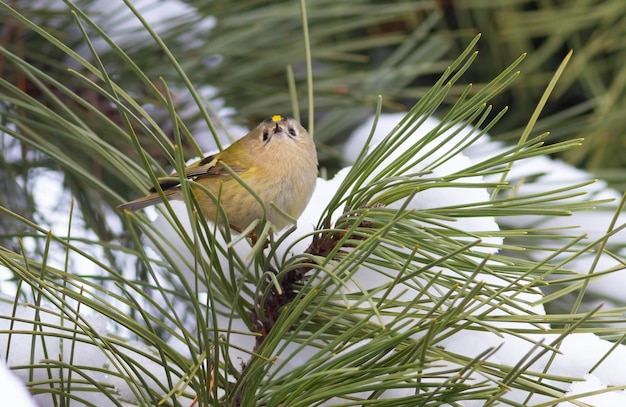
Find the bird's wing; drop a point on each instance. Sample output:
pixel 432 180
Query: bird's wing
pixel 209 166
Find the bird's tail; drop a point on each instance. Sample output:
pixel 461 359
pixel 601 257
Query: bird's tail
pixel 149 200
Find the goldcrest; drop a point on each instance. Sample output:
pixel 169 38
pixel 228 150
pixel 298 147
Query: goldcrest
pixel 277 160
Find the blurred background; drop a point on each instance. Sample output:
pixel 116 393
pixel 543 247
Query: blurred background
pixel 239 56
pixel 202 72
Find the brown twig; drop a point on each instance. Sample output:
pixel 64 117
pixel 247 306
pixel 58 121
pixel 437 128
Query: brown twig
pixel 324 242
pixel 322 245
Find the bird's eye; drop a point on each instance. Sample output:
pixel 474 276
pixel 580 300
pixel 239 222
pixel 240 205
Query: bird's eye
pixel 266 135
pixel 292 131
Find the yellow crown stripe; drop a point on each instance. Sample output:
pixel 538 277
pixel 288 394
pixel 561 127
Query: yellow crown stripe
pixel 277 118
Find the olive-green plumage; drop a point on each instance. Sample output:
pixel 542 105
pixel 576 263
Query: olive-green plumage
pixel 277 160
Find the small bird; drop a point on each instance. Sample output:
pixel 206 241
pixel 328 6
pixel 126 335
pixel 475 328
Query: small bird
pixel 277 160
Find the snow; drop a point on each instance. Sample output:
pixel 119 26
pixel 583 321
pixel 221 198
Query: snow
pixel 72 344
pixel 550 174
pixel 602 396
pixel 578 355
pixel 511 348
pixel 13 391
pixel 578 352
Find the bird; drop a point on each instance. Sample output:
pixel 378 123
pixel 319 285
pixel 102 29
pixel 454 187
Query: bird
pixel 277 160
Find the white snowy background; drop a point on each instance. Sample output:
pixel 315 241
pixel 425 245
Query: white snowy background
pixel 579 352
